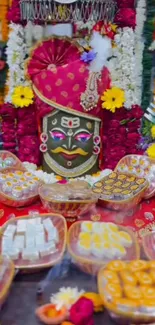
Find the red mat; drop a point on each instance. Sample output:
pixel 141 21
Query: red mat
pixel 140 221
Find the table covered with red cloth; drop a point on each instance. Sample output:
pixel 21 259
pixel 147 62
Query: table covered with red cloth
pixel 141 221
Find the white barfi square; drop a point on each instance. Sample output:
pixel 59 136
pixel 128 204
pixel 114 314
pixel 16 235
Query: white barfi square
pixel 53 235
pixel 48 224
pixel 14 253
pixel 39 228
pixel 48 248
pixel 30 241
pixel 21 226
pixel 40 240
pixel 18 242
pixel 7 243
pixel 10 231
pixel 30 254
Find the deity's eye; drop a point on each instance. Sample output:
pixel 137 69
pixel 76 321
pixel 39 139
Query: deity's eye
pixel 83 137
pixel 57 136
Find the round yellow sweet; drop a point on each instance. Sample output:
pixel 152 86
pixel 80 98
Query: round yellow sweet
pixel 148 292
pixel 114 290
pixel 116 265
pixel 133 292
pixel 128 278
pixel 138 265
pixel 111 276
pixel 144 278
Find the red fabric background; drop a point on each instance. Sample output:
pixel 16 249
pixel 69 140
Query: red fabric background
pixel 141 221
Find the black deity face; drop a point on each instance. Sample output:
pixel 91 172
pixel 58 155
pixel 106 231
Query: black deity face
pixel 70 144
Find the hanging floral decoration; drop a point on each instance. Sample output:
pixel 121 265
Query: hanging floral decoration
pixel 122 66
pixel 16 53
pixel 106 29
pixel 22 96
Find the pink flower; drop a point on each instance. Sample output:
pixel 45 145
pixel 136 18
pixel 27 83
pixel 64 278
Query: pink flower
pixel 81 313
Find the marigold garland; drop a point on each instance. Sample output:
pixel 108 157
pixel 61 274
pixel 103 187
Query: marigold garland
pixel 4 6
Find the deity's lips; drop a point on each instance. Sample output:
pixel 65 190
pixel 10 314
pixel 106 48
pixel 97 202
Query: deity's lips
pixel 70 155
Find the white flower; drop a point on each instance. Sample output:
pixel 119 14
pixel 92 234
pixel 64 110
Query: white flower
pixel 66 297
pixel 126 72
pixel 16 53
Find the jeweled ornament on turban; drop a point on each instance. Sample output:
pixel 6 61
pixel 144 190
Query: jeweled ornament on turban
pixel 68 100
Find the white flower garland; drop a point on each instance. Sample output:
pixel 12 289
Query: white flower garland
pixel 139 45
pixel 122 66
pixel 51 178
pixel 152 46
pixel 16 52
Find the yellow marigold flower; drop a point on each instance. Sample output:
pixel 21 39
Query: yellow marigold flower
pixel 22 96
pixel 153 132
pixel 96 300
pixel 58 178
pixel 151 151
pixel 97 174
pixel 113 98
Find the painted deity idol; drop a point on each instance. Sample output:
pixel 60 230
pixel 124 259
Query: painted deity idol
pixel 68 106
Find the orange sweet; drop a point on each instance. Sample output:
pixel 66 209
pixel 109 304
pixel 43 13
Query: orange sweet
pixel 148 292
pixel 114 290
pixel 128 277
pixel 138 265
pixel 117 265
pixel 144 278
pixel 132 292
pixel 111 276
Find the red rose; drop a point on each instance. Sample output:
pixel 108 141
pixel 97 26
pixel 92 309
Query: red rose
pixel 126 3
pixel 114 124
pixel 135 112
pixel 2 64
pixel 126 17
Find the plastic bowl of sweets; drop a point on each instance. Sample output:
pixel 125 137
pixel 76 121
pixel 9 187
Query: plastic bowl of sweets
pixel 119 191
pixel 18 187
pixel 93 244
pixel 71 200
pixel 127 290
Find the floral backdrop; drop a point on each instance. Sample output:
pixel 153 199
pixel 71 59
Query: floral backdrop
pixel 130 64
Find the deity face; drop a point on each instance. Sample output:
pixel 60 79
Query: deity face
pixel 70 144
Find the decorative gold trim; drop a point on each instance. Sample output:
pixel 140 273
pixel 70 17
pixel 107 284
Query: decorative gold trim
pixel 146 250
pixel 64 108
pixel 5 290
pixel 43 265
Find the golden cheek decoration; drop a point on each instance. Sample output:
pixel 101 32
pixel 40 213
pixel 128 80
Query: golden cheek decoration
pixel 71 76
pixel 58 82
pixel 43 75
pixel 64 94
pixel 76 87
pixel 48 88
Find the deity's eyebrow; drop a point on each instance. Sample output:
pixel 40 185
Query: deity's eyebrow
pixel 82 130
pixel 58 129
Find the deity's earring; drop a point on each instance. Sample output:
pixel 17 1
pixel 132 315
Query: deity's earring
pixel 43 145
pixel 96 141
